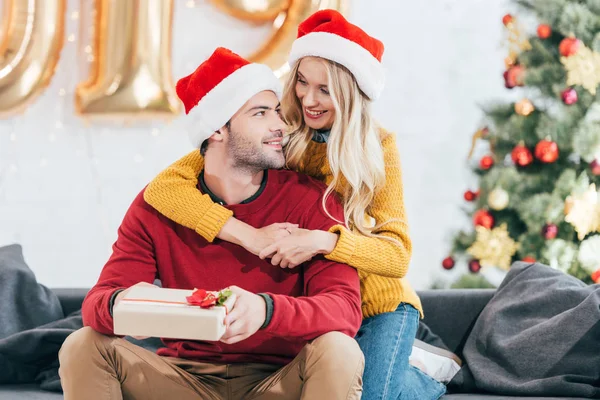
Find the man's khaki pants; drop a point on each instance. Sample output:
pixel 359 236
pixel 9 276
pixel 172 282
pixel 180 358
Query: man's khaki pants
pixel 94 366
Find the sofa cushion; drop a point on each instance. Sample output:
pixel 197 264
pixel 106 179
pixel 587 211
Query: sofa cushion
pixel 27 392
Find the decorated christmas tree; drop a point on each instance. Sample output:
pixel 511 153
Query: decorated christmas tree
pixel 537 197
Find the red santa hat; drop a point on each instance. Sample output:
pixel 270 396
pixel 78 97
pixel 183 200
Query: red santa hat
pixel 327 34
pixel 218 88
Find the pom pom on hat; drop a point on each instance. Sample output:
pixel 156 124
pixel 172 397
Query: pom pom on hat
pixel 218 88
pixel 327 34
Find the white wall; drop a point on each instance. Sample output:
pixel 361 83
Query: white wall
pixel 65 184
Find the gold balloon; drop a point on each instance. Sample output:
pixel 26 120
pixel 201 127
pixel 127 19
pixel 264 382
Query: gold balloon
pixel 31 37
pixel 258 11
pixel 285 17
pixel 498 199
pixel 130 75
pixel 524 107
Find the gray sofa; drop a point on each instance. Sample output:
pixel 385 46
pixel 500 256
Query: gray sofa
pixel 449 313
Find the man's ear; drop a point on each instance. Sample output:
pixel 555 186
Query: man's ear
pixel 219 135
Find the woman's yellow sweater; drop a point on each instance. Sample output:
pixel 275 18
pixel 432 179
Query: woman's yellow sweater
pixel 381 264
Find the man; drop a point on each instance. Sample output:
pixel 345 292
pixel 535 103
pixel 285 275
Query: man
pixel 289 334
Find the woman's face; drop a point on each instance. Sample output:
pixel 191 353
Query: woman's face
pixel 313 93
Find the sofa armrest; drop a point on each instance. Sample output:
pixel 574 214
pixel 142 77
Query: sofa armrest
pixel 70 298
pixel 451 314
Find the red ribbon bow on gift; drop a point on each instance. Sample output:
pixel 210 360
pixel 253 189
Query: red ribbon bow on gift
pixel 208 299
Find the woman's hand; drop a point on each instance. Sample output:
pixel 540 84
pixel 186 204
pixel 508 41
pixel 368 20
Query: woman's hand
pixel 258 239
pixel 299 246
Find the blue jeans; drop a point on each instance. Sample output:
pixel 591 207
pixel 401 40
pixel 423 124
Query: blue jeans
pixel 386 341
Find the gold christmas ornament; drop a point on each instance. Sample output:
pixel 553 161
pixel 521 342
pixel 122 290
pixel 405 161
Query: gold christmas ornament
pixel 584 212
pixel 583 68
pixel 493 248
pixel 498 199
pixel 517 42
pixel 524 107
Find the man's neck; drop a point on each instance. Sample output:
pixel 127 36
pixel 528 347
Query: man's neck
pixel 231 184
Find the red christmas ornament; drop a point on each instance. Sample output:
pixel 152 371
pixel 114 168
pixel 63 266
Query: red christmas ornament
pixel 595 166
pixel 521 155
pixel 507 19
pixel 569 96
pixel 544 31
pixel 474 266
pixel 486 162
pixel 448 263
pixel 483 218
pixel 470 195
pixel 550 231
pixel 546 151
pixel 528 259
pixel 596 276
pixel 514 76
pixel 569 46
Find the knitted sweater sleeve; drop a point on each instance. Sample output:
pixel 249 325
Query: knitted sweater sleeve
pixel 174 194
pixel 372 254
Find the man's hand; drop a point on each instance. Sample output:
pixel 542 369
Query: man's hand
pixel 300 246
pixel 261 238
pixel 122 294
pixel 247 316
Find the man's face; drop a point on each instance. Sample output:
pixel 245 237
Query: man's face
pixel 255 134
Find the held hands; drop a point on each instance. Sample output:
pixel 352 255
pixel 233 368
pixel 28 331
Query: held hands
pixel 246 317
pixel 260 238
pixel 299 246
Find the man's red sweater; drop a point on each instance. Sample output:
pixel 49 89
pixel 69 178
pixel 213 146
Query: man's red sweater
pixel 308 301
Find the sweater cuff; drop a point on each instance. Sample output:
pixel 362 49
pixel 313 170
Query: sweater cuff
pixel 111 302
pixel 213 221
pixel 269 303
pixel 345 247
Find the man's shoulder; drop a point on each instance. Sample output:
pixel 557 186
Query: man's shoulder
pixel 141 209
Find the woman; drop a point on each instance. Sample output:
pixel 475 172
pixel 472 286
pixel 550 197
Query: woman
pixel 336 73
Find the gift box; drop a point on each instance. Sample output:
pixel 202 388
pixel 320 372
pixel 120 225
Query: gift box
pixel 172 313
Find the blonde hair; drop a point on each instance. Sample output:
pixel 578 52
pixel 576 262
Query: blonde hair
pixel 354 149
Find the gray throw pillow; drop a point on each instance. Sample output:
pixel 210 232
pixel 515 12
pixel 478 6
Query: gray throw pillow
pixel 24 303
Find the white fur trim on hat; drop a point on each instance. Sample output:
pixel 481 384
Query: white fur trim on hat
pixel 218 106
pixel 367 70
